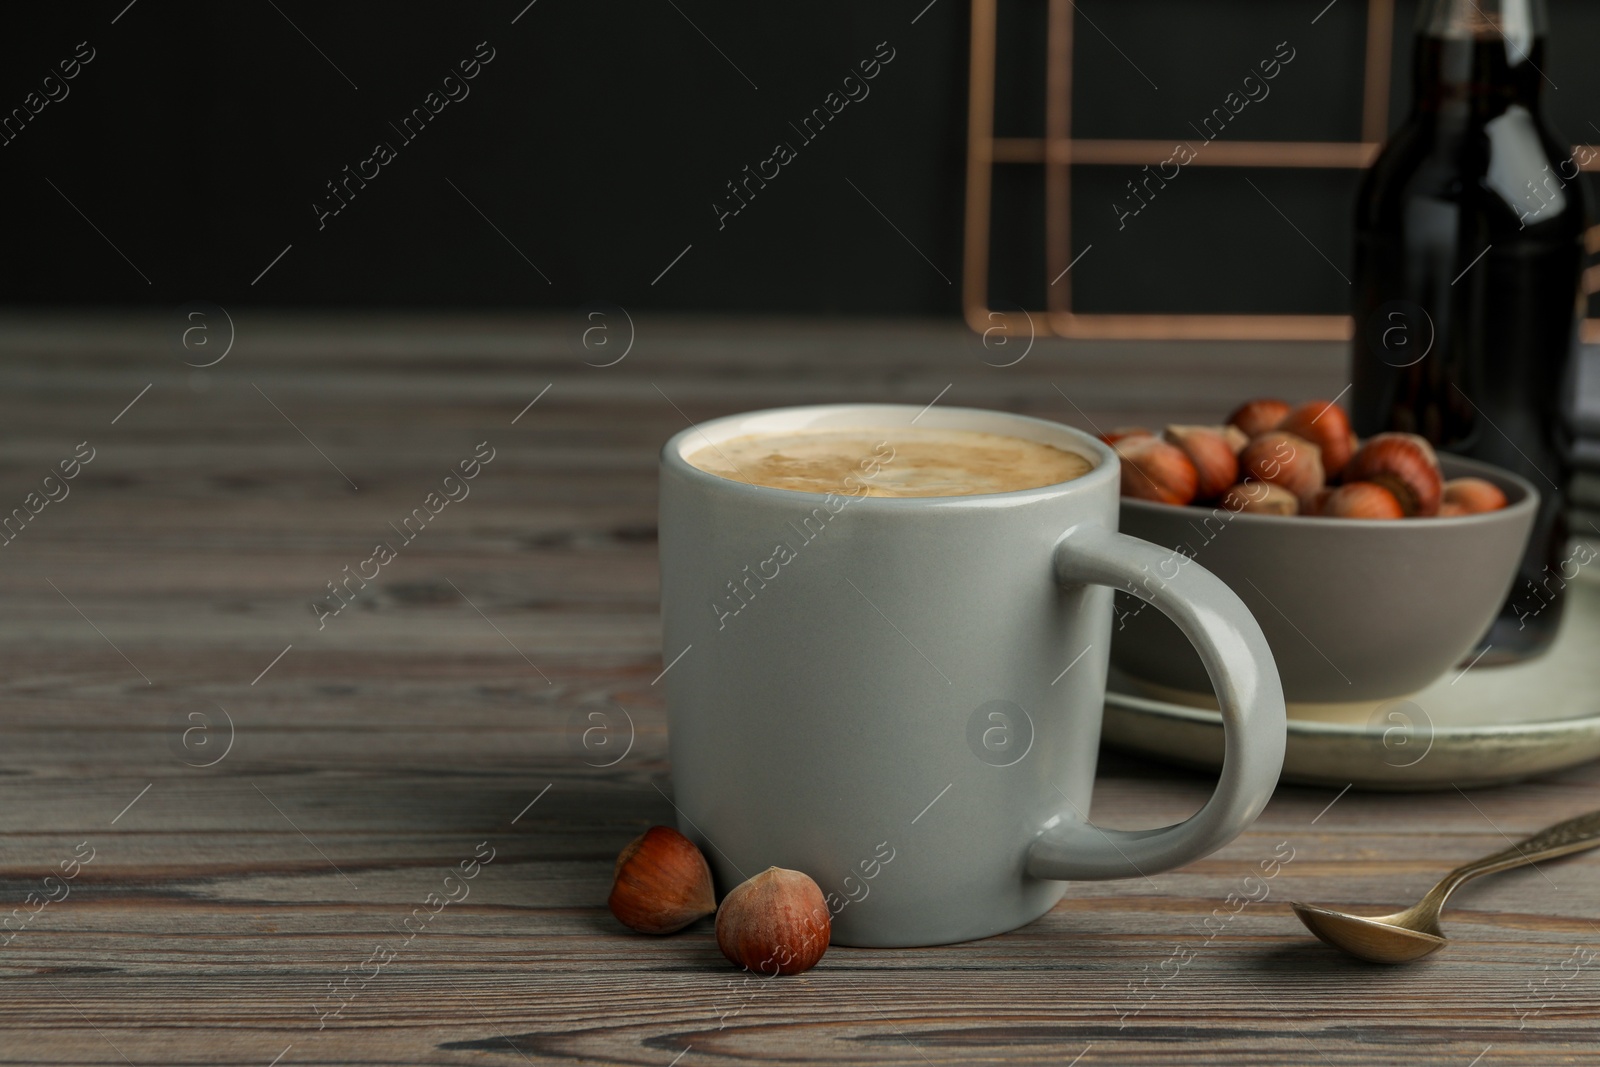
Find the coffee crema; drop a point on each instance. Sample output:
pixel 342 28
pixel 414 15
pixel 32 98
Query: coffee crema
pixel 900 462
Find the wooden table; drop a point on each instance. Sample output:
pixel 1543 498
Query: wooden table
pixel 265 801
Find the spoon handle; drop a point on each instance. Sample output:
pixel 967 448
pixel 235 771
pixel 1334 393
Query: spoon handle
pixel 1573 835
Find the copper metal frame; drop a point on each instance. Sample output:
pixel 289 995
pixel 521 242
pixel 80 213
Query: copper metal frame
pixel 1057 150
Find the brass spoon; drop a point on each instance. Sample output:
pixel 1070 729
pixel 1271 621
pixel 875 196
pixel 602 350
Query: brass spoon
pixel 1414 933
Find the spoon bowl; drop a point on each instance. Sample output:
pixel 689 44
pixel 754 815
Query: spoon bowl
pixel 1414 933
pixel 1377 940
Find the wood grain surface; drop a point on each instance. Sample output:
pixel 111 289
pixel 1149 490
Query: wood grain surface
pixel 266 802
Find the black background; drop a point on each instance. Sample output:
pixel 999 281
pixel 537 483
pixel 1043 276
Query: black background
pixel 598 138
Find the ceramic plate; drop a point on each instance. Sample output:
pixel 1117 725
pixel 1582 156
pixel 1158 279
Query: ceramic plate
pixel 1474 727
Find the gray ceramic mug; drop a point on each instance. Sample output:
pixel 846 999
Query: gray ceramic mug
pixel 901 697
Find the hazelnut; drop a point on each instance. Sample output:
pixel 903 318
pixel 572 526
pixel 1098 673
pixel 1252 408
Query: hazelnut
pixel 1256 417
pixel 1235 437
pixel 1471 495
pixel 1261 498
pixel 1447 510
pixel 1324 424
pixel 661 883
pixel 1361 500
pixel 1286 460
pixel 1122 433
pixel 775 923
pixel 1155 470
pixel 1315 504
pixel 1404 464
pixel 1215 462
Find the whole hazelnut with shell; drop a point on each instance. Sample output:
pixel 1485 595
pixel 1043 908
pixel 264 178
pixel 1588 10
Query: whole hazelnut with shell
pixel 1286 460
pixel 1404 464
pixel 1122 433
pixel 1215 461
pixel 1256 417
pixel 1152 469
pixel 1324 424
pixel 1261 498
pixel 661 883
pixel 774 923
pixel 1361 500
pixel 1472 495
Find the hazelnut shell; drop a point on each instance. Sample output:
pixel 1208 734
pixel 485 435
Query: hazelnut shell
pixel 1287 460
pixel 1324 424
pixel 1404 464
pixel 1472 496
pixel 1256 417
pixel 1122 433
pixel 1361 500
pixel 661 883
pixel 1152 469
pixel 1261 498
pixel 1215 463
pixel 774 923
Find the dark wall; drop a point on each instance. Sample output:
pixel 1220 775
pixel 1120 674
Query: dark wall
pixel 595 142
pixel 592 147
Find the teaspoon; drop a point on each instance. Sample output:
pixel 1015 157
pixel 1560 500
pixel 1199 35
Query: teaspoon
pixel 1413 933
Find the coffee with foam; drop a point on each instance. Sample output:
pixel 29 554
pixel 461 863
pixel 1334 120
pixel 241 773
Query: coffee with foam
pixel 900 462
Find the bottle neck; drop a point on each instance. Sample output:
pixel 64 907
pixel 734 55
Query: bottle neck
pixel 1479 54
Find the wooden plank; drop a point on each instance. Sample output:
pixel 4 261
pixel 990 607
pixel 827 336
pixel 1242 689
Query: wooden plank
pixel 1322 155
pixel 380 751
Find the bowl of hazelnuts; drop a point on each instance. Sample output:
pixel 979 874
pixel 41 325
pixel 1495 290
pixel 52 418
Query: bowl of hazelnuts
pixel 1373 566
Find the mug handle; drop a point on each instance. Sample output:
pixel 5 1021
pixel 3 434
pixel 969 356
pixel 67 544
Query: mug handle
pixel 1245 676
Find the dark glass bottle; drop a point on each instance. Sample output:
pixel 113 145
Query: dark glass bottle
pixel 1469 253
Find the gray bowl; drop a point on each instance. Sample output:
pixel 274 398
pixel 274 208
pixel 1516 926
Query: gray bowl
pixel 1353 610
